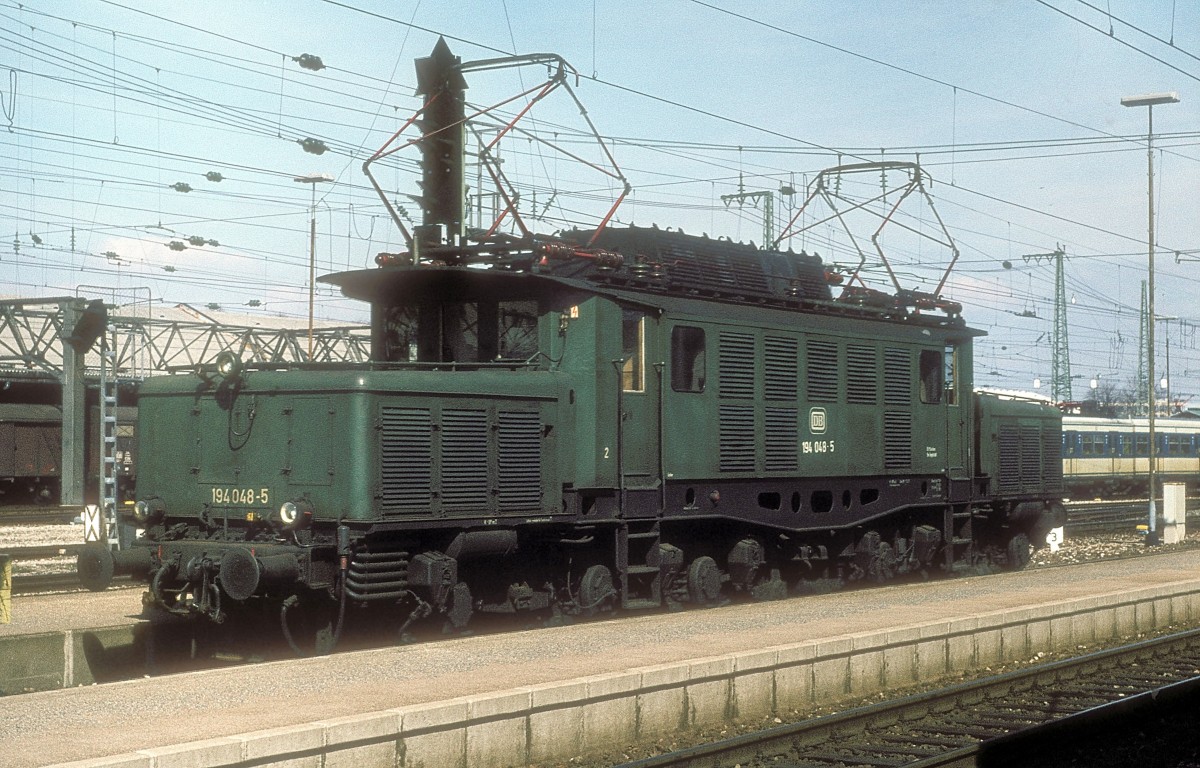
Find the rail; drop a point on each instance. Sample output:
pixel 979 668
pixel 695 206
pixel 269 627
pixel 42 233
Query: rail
pixel 44 581
pixel 58 581
pixel 1087 517
pixel 954 725
pixel 38 514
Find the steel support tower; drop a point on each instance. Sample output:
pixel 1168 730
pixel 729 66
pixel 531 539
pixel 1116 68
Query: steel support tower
pixel 1060 377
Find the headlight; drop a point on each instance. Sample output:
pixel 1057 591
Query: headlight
pixel 148 510
pixel 229 365
pixel 289 511
pixel 295 513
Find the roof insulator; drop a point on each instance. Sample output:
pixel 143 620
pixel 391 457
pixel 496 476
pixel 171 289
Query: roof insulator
pixel 181 186
pixel 309 61
pixel 196 240
pixel 312 146
pixel 214 176
pixel 177 245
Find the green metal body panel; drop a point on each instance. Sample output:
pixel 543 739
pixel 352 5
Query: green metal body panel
pixel 1020 447
pixel 839 434
pixel 316 435
pixel 828 403
pixel 587 356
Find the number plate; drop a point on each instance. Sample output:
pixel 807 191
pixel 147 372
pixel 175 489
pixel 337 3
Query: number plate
pixel 241 497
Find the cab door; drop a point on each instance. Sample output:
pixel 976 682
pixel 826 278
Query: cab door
pixel 959 420
pixel 639 403
pixel 948 420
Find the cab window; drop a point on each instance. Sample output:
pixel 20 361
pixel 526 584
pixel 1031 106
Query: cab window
pixel 687 359
pixel 950 359
pixel 932 376
pixel 633 351
pixel 461 331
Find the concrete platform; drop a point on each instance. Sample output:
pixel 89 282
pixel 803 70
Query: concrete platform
pixel 54 641
pixel 550 694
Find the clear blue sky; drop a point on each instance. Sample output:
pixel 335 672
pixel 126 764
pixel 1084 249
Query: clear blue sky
pixel 1012 107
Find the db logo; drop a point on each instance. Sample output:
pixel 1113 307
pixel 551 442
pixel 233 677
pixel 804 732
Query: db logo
pixel 816 421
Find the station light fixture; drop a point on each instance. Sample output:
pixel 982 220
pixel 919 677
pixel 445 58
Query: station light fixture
pixel 313 179
pixel 1150 101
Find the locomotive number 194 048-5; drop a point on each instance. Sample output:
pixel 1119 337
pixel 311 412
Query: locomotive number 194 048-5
pixel 241 496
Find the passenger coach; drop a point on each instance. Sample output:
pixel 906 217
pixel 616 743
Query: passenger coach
pixel 1112 456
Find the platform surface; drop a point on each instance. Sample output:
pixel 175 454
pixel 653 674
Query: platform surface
pixel 93 721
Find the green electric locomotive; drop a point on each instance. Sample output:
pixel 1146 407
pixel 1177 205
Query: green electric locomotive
pixel 613 418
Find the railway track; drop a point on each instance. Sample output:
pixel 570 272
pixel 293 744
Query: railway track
pixel 956 725
pixel 42 552
pixel 58 581
pixel 38 514
pixel 24 584
pixel 63 576
pixel 1088 517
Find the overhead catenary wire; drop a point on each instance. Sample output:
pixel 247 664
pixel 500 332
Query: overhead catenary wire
pixel 666 189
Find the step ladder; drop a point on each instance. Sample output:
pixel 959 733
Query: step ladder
pixel 638 568
pixel 960 539
pixel 108 442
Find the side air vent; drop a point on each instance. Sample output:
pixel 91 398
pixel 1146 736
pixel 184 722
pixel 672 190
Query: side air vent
pixel 737 365
pixel 1031 458
pixel 1052 459
pixel 1009 480
pixel 781 437
pixel 862 375
pixel 736 435
pixel 822 370
pixel 897 440
pixel 897 376
pixel 781 372
pixel 406 452
pixel 464 458
pixel 520 460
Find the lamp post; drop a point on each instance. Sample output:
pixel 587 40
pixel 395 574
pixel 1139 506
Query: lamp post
pixel 313 179
pixel 1149 101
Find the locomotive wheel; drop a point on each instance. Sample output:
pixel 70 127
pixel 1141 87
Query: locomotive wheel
pixel 704 581
pixel 596 590
pixel 1018 552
